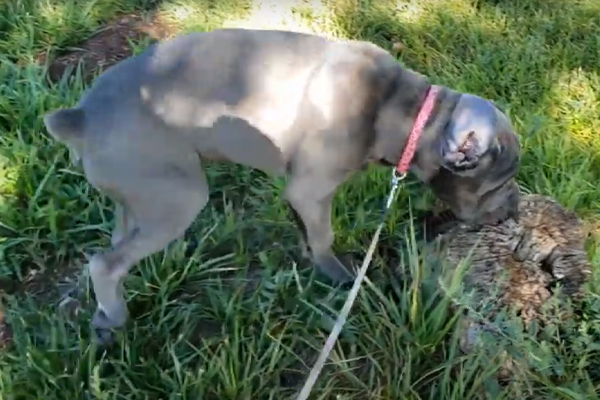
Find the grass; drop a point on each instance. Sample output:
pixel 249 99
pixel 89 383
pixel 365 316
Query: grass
pixel 232 312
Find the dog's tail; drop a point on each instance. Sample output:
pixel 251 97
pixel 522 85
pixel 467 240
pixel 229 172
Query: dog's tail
pixel 65 125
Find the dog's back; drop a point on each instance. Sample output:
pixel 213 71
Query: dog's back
pixel 213 91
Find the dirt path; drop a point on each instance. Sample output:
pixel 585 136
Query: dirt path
pixel 290 15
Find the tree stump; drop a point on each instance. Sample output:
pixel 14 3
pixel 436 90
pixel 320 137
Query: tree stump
pixel 519 266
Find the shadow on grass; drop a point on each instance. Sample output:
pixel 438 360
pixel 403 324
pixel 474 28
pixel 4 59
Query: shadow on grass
pixel 99 34
pixel 28 26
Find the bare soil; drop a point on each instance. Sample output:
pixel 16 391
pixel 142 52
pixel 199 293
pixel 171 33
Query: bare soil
pixel 107 46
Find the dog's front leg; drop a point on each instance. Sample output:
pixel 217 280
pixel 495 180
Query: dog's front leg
pixel 311 198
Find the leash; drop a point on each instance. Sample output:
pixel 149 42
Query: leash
pixel 398 175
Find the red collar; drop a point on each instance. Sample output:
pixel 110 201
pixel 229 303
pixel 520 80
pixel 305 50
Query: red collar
pixel 413 138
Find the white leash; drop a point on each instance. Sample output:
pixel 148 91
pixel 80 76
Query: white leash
pixel 398 175
pixel 341 320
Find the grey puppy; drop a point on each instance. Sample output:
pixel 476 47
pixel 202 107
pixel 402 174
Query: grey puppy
pixel 285 103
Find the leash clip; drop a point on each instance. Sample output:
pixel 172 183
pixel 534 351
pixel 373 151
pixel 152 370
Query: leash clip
pixel 397 177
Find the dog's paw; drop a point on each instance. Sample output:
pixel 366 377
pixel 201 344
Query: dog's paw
pixel 101 320
pixel 102 327
pixel 70 308
pixel 334 269
pixel 104 337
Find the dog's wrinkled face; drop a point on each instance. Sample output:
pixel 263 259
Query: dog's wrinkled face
pixel 479 161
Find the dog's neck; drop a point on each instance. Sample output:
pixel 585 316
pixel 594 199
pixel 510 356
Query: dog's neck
pixel 405 97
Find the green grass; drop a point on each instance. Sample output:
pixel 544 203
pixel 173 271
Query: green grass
pixel 232 312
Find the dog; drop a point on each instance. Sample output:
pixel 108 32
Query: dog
pixel 293 104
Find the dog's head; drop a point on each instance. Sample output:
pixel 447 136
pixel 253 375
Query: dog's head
pixel 480 157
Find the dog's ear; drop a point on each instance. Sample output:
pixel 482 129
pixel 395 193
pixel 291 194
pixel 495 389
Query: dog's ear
pixel 471 133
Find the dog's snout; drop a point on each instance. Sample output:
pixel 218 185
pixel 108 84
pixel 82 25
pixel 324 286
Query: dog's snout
pixel 458 161
pixel 461 156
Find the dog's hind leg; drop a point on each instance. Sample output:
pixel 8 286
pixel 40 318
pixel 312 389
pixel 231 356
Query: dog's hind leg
pixel 122 224
pixel 311 200
pixel 157 211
